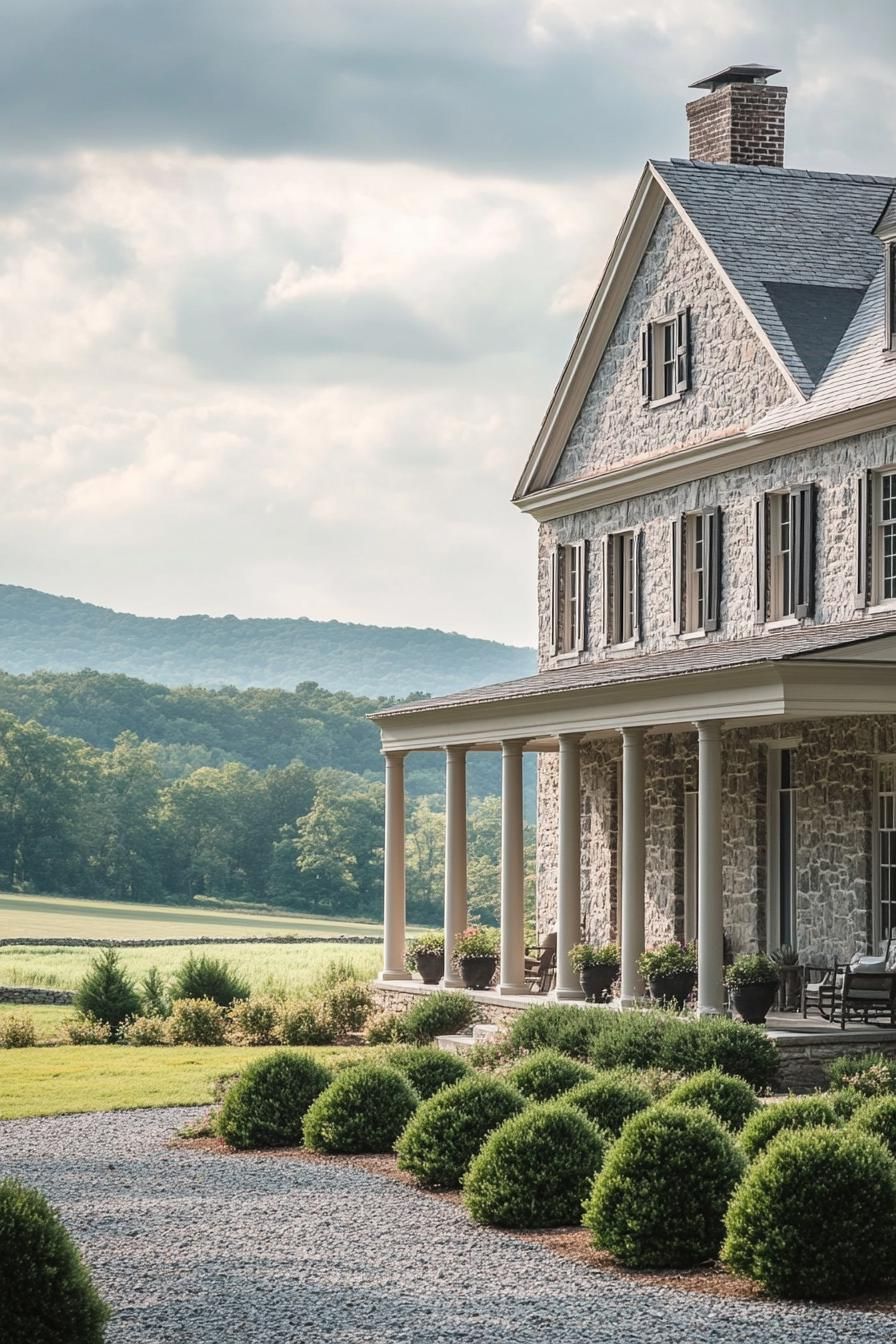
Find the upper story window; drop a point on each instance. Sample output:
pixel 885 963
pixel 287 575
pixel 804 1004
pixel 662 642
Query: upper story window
pixel 890 303
pixel 696 570
pixel 875 544
pixel 569 591
pixel 666 358
pixel 622 588
pixel 784 560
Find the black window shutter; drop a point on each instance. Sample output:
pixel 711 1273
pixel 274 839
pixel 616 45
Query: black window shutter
pixel 890 297
pixel 862 516
pixel 676 532
pixel 555 599
pixel 759 594
pixel 683 350
pixel 637 543
pixel 803 541
pixel 712 575
pixel 646 360
pixel 581 631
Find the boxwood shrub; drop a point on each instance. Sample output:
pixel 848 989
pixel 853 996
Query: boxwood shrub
pixel 447 1012
pixel 660 1199
pixel 448 1130
pixel 363 1110
pixel 546 1073
pixel 267 1104
pixel 731 1100
pixel 609 1099
pixel 816 1216
pixel 845 1102
pixel 46 1292
pixel 558 1026
pixel 536 1169
pixel 878 1118
pixel 664 1040
pixel 427 1068
pixel 791 1113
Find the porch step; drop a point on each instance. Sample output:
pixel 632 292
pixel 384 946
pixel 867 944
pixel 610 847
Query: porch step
pixel 487 1033
pixel 456 1045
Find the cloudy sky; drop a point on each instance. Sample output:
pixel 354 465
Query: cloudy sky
pixel 285 285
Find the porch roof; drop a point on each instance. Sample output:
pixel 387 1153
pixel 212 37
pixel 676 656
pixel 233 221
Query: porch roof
pixel 807 671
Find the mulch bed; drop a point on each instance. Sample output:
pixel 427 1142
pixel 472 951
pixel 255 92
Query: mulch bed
pixel 572 1243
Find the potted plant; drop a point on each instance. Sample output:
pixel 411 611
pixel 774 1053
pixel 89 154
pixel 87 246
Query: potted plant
pixel 476 956
pixel 426 956
pixel 670 972
pixel 753 981
pixel 598 968
pixel 787 960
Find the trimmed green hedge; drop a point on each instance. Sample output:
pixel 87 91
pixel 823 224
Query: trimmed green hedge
pixel 427 1068
pixel 609 1099
pixel 449 1129
pixel 267 1104
pixel 536 1169
pixel 447 1012
pixel 791 1113
pixel 546 1073
pixel 878 1118
pixel 363 1110
pixel 731 1100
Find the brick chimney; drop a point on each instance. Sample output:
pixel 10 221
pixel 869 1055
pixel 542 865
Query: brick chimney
pixel 740 120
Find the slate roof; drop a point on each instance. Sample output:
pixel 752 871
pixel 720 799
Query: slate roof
pixel 785 237
pixel 887 221
pixel 775 647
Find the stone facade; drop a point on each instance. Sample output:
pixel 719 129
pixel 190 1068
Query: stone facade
pixel 834 764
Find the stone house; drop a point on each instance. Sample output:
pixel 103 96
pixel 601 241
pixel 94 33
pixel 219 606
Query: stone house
pixel 714 484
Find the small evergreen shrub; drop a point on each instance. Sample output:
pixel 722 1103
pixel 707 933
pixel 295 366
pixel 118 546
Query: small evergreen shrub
pixel 256 1020
pixel 346 1006
pixel 145 1031
pixel 737 1048
pixel 546 1073
pixel 536 1169
pixel 197 1022
pixel 845 1102
pixel 878 1118
pixel 791 1113
pixel 206 977
pixel 382 1028
pixel 660 1199
pixel 363 1110
pixel 558 1026
pixel 427 1068
pixel 154 994
pixel 445 1013
pixel 16 1033
pixel 815 1216
pixel 46 1292
pixel 447 1131
pixel 337 971
pixel 266 1106
pixel 660 1039
pixel 874 1075
pixel 731 1100
pixel 609 1099
pixel 87 1031
pixel 302 1023
pixel 107 992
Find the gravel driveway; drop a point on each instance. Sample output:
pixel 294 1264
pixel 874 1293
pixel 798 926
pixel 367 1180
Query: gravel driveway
pixel 199 1249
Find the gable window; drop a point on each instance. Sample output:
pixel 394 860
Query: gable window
pixel 890 298
pixel 696 571
pixel 784 560
pixel 621 587
pixel 569 582
pixel 666 358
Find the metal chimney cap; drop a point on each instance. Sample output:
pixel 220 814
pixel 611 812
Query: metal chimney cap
pixel 736 74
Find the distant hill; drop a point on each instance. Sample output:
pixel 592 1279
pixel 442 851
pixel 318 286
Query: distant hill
pixel 38 630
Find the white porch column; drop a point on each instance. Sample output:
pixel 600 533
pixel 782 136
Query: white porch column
pixel 394 872
pixel 631 922
pixel 710 948
pixel 569 887
pixel 513 977
pixel 455 857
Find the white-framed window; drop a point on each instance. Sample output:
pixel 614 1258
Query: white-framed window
pixel 621 587
pixel 569 596
pixel 784 561
pixel 885 848
pixel 883 553
pixel 666 357
pixel 782 800
pixel 696 570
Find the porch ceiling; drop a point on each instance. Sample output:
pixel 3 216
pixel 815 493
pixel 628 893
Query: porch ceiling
pixel 800 673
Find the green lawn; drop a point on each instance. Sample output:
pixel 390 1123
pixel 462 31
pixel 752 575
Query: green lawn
pixel 47 1017
pixel 69 1078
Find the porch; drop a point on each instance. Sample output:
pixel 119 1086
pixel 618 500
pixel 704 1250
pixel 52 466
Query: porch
pixel 701 696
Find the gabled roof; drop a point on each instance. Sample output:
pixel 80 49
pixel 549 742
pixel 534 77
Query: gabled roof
pixel 782 239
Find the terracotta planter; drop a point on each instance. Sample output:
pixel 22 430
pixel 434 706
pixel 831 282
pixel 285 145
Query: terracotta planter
pixel 597 982
pixel 752 1002
pixel 430 966
pixel 477 972
pixel 673 989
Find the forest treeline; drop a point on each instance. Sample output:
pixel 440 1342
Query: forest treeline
pixel 78 819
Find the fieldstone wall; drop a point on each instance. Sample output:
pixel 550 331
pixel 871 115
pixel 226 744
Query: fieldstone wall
pixel 29 994
pixel 834 772
pixel 364 939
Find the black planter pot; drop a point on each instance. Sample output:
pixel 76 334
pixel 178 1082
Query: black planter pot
pixel 752 1002
pixel 597 982
pixel 672 989
pixel 430 966
pixel 477 972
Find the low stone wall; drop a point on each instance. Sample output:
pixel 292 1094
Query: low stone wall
pixel 29 994
pixel 344 939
